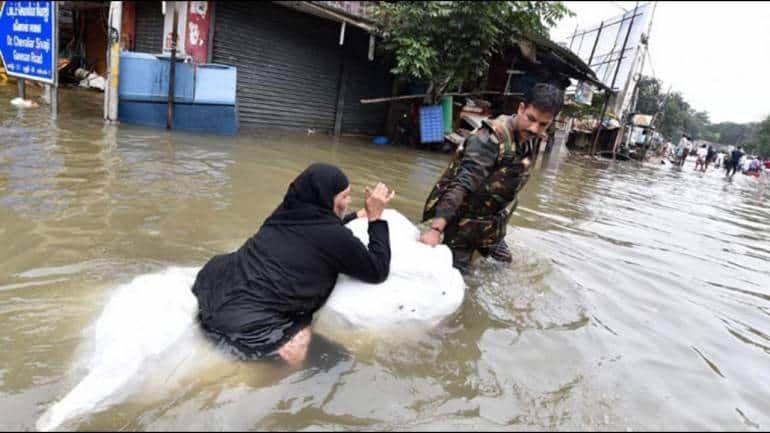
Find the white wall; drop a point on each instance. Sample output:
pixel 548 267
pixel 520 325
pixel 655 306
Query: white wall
pixel 168 21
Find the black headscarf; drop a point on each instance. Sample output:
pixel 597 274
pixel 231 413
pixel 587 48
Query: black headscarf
pixel 310 197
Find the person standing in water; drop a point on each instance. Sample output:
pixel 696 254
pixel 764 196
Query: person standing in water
pixel 710 156
pixel 735 162
pixel 701 154
pixel 471 203
pixel 259 300
pixel 682 150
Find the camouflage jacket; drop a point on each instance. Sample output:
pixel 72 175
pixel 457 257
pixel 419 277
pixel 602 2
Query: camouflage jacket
pixel 477 192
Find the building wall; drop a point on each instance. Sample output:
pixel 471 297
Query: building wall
pixel 357 8
pixel 181 27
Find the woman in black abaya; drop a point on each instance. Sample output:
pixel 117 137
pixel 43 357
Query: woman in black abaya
pixel 260 300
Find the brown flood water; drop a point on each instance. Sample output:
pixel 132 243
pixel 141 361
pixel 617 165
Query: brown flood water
pixel 639 296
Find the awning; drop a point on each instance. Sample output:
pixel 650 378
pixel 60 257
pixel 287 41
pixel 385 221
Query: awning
pixel 566 59
pixel 84 5
pixel 321 10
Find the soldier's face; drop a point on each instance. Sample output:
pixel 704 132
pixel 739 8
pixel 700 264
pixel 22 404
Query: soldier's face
pixel 531 122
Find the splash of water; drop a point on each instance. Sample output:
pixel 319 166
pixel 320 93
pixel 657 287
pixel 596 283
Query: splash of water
pixel 142 320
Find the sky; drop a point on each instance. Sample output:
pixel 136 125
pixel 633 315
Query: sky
pixel 717 54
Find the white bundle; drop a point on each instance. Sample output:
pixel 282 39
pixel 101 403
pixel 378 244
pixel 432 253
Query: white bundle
pixel 422 285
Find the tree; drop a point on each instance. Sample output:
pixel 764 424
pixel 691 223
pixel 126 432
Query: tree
pixel 672 120
pixel 675 116
pixel 450 43
pixel 648 96
pixel 696 124
pixel 729 132
pixel 758 140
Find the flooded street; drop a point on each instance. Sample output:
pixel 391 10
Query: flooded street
pixel 639 296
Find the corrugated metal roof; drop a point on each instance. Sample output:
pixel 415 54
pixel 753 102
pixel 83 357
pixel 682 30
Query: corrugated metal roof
pixel 568 60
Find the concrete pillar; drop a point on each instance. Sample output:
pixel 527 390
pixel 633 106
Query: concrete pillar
pixel 113 61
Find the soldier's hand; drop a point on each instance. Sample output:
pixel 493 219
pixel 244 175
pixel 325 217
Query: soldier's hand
pixel 431 237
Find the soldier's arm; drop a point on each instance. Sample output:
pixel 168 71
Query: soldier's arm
pixel 477 164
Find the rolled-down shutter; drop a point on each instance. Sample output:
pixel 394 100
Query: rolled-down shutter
pixel 149 27
pixel 288 64
pixel 365 79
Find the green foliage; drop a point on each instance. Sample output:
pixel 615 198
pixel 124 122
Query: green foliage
pixel 450 43
pixel 729 132
pixel 580 111
pixel 674 116
pixel 649 97
pixel 758 138
pixel 674 113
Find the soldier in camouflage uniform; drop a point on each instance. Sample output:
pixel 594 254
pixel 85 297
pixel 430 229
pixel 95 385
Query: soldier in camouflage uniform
pixel 475 197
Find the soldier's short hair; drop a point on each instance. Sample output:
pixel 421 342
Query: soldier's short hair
pixel 545 97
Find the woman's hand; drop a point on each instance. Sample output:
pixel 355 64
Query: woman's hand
pixel 377 200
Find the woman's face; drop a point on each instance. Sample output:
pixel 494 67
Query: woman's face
pixel 341 202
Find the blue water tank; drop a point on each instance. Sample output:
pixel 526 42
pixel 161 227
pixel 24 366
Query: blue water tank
pixel 144 77
pixel 215 84
pixel 218 119
pixel 204 97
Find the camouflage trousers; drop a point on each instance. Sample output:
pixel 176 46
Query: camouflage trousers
pixel 461 257
pixel 485 235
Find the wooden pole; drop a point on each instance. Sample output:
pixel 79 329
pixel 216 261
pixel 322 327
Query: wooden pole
pixel 422 95
pixel 340 98
pixel 612 86
pixel 55 52
pixel 171 73
pixel 21 88
pixel 596 41
pixel 617 70
pixel 661 107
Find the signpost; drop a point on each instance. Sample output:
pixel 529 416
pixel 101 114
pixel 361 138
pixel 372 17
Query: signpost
pixel 28 42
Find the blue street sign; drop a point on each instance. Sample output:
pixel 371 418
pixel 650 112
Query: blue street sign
pixel 27 44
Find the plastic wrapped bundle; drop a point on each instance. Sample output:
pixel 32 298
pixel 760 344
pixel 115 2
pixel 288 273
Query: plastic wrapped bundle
pixel 422 285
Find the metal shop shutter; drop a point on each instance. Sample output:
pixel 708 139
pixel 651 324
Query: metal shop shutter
pixel 149 27
pixel 288 64
pixel 364 79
